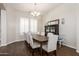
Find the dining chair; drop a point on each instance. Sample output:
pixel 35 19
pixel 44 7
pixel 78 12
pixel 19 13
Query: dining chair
pixel 27 41
pixel 51 46
pixel 33 44
pixel 42 33
pixel 38 33
pixel 60 40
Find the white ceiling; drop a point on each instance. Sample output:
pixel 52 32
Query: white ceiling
pixel 27 7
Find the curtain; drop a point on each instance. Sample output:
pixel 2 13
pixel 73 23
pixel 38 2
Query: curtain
pixel 33 25
pixel 28 25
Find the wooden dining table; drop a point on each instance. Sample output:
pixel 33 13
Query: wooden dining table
pixel 40 39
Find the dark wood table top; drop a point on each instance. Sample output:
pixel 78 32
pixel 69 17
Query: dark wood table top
pixel 39 38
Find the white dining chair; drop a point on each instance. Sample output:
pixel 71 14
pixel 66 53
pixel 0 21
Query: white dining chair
pixel 37 32
pixel 52 43
pixel 33 44
pixel 42 33
pixel 27 39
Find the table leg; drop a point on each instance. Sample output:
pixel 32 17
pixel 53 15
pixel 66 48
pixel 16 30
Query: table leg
pixel 41 49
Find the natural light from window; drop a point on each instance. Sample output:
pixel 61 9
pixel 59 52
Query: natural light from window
pixel 28 25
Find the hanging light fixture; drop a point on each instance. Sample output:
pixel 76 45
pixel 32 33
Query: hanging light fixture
pixel 35 12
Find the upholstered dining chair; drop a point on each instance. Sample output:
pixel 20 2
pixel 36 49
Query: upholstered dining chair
pixel 38 33
pixel 51 46
pixel 26 37
pixel 33 44
pixel 42 33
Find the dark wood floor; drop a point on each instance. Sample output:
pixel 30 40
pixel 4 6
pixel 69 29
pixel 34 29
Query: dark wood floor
pixel 20 49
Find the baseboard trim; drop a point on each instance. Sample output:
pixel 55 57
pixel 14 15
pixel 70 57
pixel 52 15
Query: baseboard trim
pixel 69 46
pixel 14 41
pixel 3 45
pixel 10 43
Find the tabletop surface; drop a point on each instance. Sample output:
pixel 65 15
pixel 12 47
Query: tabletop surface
pixel 39 38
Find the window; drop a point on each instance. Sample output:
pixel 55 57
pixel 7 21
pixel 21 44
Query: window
pixel 27 25
pixel 33 25
pixel 21 25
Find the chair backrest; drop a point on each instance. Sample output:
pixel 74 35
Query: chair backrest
pixel 27 37
pixel 31 39
pixel 38 33
pixel 52 42
pixel 42 33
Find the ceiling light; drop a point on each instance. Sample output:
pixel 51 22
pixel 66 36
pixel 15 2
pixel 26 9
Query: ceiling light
pixel 34 12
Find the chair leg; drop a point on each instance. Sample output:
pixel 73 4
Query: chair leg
pixel 32 52
pixel 47 54
pixel 28 45
pixel 55 52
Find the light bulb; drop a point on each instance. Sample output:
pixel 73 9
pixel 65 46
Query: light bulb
pixel 35 13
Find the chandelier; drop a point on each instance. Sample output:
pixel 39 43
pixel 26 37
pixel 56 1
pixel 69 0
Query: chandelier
pixel 35 12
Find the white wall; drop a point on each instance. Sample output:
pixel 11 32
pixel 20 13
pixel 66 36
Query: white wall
pixel 77 27
pixel 3 28
pixel 11 25
pixel 66 11
pixel 2 6
pixel 0 25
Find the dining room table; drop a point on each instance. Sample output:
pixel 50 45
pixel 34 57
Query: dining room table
pixel 40 39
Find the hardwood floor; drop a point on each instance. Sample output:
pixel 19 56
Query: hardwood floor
pixel 20 49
